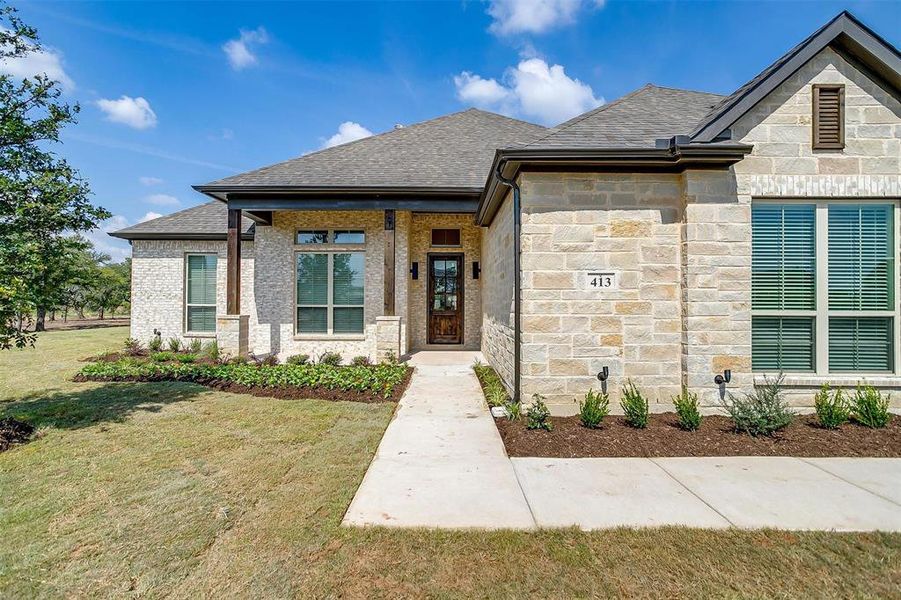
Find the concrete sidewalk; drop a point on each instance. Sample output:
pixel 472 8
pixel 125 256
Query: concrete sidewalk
pixel 442 464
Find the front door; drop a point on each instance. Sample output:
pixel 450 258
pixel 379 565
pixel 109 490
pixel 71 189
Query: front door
pixel 445 299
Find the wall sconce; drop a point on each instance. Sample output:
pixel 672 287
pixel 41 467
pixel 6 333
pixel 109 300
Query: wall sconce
pixel 414 270
pixel 604 374
pixel 476 269
pixel 726 377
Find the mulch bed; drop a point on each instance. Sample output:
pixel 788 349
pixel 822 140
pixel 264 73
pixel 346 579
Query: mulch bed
pixel 14 432
pixel 285 393
pixel 716 437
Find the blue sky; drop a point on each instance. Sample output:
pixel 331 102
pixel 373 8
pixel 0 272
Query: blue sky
pixel 180 94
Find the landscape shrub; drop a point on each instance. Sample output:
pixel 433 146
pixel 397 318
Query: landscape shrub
pixel 195 346
pixel 330 358
pixel 538 415
pixel 133 347
pixel 493 387
pixel 187 357
pixel 514 409
pixel 360 361
pixel 155 344
pixel 211 350
pixel 594 408
pixel 390 358
pixel 162 356
pixel 270 360
pixel 174 344
pixel 833 409
pixel 298 359
pixel 238 360
pixel 635 406
pixel 762 412
pixel 686 404
pixel 871 407
pixel 379 380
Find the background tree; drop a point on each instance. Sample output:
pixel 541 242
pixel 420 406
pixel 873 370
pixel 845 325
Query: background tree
pixel 42 198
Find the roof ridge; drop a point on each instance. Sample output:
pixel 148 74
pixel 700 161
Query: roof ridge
pixel 579 118
pixel 677 89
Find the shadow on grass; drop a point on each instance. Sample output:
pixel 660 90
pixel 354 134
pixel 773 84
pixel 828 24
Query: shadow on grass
pixel 110 402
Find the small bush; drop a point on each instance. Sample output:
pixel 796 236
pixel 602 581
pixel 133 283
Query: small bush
pixel 538 415
pixel 635 406
pixel 514 409
pixel 186 358
pixel 195 346
pixel 211 350
pixel 298 359
pixel 155 344
pixel 238 360
pixel 390 359
pixel 762 412
pixel 686 404
pixel 330 358
pixel 133 347
pixel 871 407
pixel 360 361
pixel 492 386
pixel 594 408
pixel 833 410
pixel 496 396
pixel 162 356
pixel 174 344
pixel 270 360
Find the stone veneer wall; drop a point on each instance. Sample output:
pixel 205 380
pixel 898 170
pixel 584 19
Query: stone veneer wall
pixel 420 247
pixel 497 291
pixel 158 284
pixel 784 165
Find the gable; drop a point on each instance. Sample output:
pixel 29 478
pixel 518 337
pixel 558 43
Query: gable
pixel 780 126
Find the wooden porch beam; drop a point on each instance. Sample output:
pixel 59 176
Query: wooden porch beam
pixel 233 263
pixel 389 263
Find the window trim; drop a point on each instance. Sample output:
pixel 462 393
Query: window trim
pixel 330 237
pixel 817 144
pixel 330 305
pixel 215 304
pixel 822 313
pixel 432 230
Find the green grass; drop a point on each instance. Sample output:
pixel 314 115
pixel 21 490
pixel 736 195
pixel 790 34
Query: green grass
pixel 171 489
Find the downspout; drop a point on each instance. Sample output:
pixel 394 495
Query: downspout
pixel 517 309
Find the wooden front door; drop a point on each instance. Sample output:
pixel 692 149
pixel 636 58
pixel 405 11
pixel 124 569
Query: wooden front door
pixel 445 299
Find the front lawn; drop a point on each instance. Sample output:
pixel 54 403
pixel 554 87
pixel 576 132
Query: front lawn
pixel 173 489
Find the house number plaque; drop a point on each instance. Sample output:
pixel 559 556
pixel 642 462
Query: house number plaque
pixel 601 280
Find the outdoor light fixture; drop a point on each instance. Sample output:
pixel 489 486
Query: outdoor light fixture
pixel 476 269
pixel 726 377
pixel 414 270
pixel 604 374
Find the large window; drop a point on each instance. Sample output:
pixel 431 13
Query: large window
pixel 330 292
pixel 200 293
pixel 823 287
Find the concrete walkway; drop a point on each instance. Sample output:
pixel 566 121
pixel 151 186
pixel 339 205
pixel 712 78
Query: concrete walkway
pixel 442 464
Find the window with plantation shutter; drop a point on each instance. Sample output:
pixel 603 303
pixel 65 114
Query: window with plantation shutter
pixel 200 293
pixel 824 287
pixel 828 116
pixel 330 292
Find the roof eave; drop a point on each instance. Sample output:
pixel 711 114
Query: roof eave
pixel 144 235
pixel 672 159
pixel 221 192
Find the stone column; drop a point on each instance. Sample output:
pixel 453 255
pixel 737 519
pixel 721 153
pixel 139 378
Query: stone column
pixel 232 334
pixel 387 343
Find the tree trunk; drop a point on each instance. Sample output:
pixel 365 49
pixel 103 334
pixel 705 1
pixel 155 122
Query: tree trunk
pixel 39 322
pixel 66 315
pixel 100 313
pixel 53 315
pixel 20 321
pixel 80 312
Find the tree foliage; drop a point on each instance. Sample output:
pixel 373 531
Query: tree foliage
pixel 43 200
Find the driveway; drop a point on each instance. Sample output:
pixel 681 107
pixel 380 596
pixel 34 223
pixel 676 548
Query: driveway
pixel 442 464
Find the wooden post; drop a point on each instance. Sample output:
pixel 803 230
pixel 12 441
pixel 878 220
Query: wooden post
pixel 233 264
pixel 389 263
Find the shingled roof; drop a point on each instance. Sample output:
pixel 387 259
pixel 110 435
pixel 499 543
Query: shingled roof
pixel 453 151
pixel 636 120
pixel 204 222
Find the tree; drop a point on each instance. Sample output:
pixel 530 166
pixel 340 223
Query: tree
pixel 42 198
pixel 111 289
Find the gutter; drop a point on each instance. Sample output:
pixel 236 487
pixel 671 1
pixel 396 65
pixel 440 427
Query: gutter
pixel 517 281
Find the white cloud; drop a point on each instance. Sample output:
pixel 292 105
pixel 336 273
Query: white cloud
pixel 534 16
pixel 224 134
pixel 116 248
pixel 239 51
pixel 134 112
pixel 150 181
pixel 348 131
pixel 532 89
pixel 149 216
pixel 162 200
pixel 48 62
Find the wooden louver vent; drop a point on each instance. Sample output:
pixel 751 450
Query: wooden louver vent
pixel 828 116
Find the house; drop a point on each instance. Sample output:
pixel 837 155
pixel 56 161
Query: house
pixel 669 237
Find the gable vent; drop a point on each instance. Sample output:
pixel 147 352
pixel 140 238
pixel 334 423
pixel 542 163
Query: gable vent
pixel 828 117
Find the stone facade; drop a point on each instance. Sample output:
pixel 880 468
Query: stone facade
pixel 497 291
pixel 420 247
